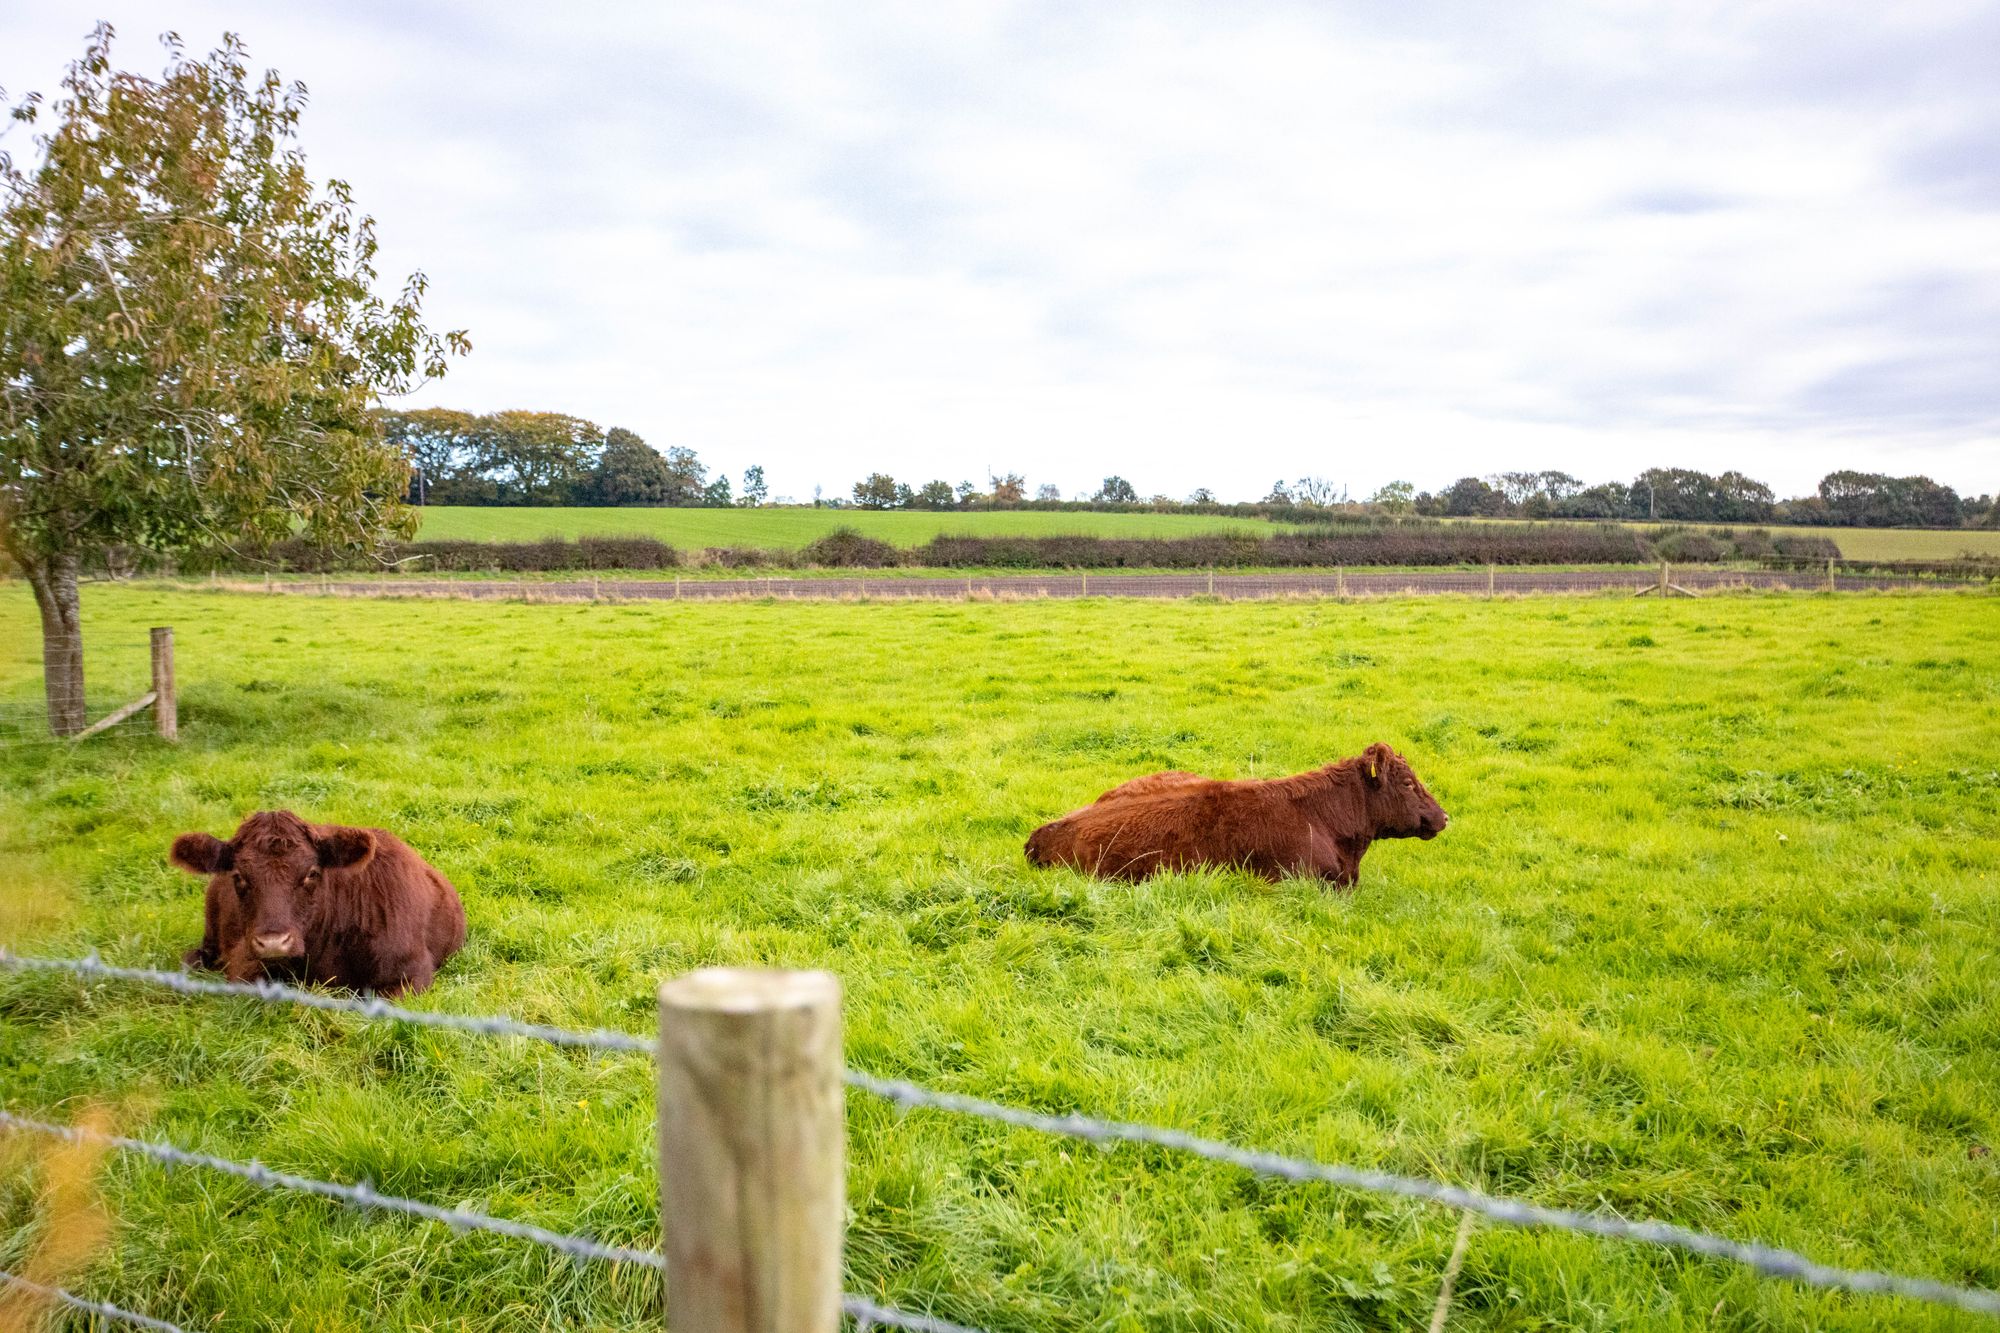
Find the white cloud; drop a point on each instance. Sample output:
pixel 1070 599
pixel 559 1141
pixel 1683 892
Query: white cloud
pixel 1193 245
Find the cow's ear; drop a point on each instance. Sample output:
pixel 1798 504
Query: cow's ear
pixel 1375 762
pixel 202 854
pixel 344 848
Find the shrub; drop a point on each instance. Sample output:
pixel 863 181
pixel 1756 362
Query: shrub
pixel 738 557
pixel 1684 547
pixel 844 548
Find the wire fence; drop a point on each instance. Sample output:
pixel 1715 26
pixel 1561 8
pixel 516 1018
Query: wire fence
pixel 1767 1260
pixel 1491 581
pixel 114 674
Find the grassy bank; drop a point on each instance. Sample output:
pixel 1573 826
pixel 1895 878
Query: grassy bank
pixel 1710 939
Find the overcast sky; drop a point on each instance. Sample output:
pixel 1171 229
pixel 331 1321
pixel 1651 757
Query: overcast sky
pixel 1193 244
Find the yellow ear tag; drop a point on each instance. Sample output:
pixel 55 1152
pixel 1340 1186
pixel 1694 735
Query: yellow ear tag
pixel 1371 770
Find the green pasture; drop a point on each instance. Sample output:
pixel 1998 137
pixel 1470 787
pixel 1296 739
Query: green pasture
pixel 789 529
pixel 1711 939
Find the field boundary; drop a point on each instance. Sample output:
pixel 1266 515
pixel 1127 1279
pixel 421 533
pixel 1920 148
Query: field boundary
pixel 1766 1260
pixel 1491 582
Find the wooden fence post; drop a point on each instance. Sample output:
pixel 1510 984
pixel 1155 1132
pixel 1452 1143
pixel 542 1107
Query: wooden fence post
pixel 1831 586
pixel 752 1199
pixel 1663 578
pixel 166 705
pixel 1489 580
pixel 1340 580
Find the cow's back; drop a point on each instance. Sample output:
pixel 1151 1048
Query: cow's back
pixel 1177 824
pixel 388 915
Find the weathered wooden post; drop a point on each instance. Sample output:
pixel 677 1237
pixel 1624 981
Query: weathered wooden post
pixel 1340 580
pixel 752 1198
pixel 1831 586
pixel 1489 580
pixel 1663 578
pixel 166 705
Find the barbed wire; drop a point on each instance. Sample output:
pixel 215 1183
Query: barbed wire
pixel 102 1308
pixel 1766 1259
pixel 364 1196
pixel 866 1314
pixel 485 1025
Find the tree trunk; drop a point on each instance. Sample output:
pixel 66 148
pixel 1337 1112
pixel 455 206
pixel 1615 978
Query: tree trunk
pixel 54 580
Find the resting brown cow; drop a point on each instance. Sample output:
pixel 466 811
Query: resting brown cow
pixel 1318 823
pixel 320 902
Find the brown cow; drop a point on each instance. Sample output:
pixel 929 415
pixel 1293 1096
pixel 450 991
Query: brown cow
pixel 321 902
pixel 1318 823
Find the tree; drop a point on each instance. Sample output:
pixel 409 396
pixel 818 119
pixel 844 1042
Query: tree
pixel 688 487
pixel 1398 497
pixel 755 491
pixel 717 496
pixel 1517 488
pixel 1560 486
pixel 1872 500
pixel 1116 491
pixel 536 458
pixel 1201 496
pixel 1469 497
pixel 1315 491
pixel 934 495
pixel 1281 494
pixel 1048 492
pixel 629 472
pixel 966 493
pixel 877 491
pixel 437 444
pixel 190 339
pixel 1010 489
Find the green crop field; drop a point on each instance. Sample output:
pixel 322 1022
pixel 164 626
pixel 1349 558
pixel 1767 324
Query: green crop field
pixel 1910 543
pixel 788 529
pixel 1710 939
pixel 1889 543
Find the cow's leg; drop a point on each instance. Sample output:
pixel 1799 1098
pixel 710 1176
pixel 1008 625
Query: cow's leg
pixel 1333 859
pixel 407 978
pixel 217 912
pixel 241 966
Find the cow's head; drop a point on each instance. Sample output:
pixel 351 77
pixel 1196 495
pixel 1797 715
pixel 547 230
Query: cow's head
pixel 275 864
pixel 1399 805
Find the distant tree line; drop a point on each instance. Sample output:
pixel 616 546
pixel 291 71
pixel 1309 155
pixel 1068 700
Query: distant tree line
pixel 1675 495
pixel 550 458
pixel 1683 495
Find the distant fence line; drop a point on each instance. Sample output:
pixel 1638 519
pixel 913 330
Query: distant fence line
pixel 1767 1260
pixel 1493 581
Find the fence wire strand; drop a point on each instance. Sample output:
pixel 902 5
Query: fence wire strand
pixel 103 1309
pixel 1766 1259
pixel 273 992
pixel 364 1196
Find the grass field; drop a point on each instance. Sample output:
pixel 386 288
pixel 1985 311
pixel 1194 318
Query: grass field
pixel 1710 939
pixel 1898 543
pixel 788 529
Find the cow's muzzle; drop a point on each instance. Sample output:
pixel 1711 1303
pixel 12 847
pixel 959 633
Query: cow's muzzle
pixel 1428 828
pixel 274 945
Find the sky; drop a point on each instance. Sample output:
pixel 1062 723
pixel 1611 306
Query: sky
pixel 1194 245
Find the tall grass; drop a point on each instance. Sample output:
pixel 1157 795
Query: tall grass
pixel 1710 939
